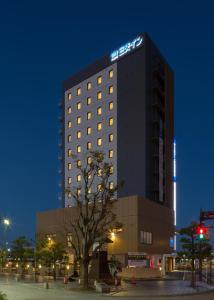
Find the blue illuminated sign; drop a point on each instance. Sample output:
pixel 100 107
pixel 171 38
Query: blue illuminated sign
pixel 171 242
pixel 126 48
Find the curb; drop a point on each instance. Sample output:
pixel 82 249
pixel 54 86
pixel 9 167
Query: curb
pixel 163 295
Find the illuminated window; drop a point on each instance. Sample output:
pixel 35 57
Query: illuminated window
pixel 110 137
pixel 69 124
pixel 69 166
pixel 111 170
pixel 69 195
pixel 69 138
pixel 78 120
pixel 99 110
pixel 111 89
pixel 89 130
pixel 79 134
pixel 89 145
pixel 78 91
pixel 78 149
pixel 78 105
pixel 89 176
pixel 78 163
pixel 99 142
pixel 99 126
pixel 99 95
pixel 69 153
pixel 89 191
pixel 99 80
pixel 69 96
pixel 89 160
pixel 111 74
pixel 69 110
pixel 69 180
pixel 110 121
pixel 89 86
pixel 89 115
pixel 111 185
pixel 78 191
pixel 100 172
pixel 111 105
pixel 111 153
pixel 88 100
pixel 78 178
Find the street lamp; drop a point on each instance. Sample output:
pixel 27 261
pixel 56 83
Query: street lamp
pixel 6 222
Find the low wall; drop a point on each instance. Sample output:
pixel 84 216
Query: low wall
pixel 139 273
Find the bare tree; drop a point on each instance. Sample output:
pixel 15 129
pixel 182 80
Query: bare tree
pixel 94 200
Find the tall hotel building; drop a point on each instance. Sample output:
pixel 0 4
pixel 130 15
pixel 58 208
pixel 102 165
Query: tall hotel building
pixel 122 104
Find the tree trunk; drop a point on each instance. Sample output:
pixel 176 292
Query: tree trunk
pixel 54 271
pixel 75 270
pixel 22 275
pixel 84 274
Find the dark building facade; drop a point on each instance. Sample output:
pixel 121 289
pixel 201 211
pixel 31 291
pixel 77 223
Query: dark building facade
pixel 122 104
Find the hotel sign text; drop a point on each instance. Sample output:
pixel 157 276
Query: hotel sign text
pixel 126 48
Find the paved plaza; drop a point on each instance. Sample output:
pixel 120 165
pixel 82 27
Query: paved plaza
pixel 146 290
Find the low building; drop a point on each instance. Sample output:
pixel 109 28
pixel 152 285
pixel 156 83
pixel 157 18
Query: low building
pixel 146 235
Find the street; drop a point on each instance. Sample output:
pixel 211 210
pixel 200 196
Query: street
pixel 58 291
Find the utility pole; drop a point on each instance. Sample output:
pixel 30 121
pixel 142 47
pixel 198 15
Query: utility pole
pixel 200 250
pixel 210 279
pixel 204 215
pixel 193 258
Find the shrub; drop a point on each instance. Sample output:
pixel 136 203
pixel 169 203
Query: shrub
pixel 3 296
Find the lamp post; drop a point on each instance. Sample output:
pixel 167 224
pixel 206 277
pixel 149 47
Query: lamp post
pixel 6 223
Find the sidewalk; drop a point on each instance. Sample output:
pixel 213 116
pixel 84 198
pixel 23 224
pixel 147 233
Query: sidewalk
pixel 161 289
pixel 23 290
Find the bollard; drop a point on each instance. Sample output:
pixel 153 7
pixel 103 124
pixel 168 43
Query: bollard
pixel 46 285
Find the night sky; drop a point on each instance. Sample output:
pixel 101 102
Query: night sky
pixel 44 42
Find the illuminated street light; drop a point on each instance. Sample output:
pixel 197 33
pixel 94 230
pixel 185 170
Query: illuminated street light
pixel 50 242
pixel 6 222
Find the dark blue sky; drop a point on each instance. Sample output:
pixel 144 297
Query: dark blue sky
pixel 44 42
